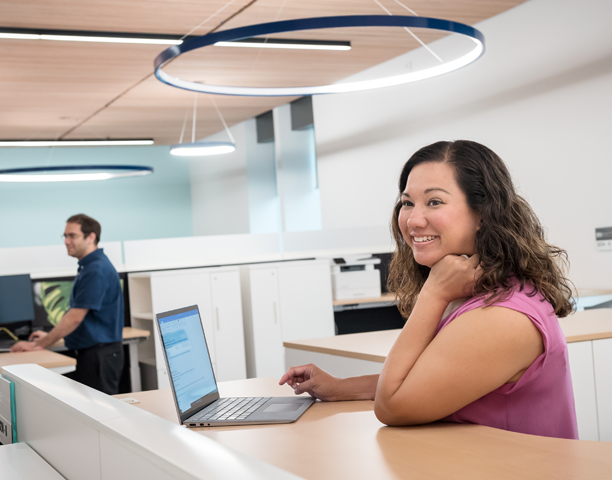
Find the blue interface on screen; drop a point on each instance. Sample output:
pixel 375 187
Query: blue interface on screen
pixel 188 358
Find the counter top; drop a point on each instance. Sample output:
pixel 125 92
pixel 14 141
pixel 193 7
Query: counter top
pixel 129 334
pixel 344 440
pixel 44 358
pixel 384 298
pixel 373 346
pixel 587 325
pixel 591 292
pixel 390 297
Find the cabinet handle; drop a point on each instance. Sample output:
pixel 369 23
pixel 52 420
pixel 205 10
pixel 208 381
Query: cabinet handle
pixel 275 317
pixel 217 314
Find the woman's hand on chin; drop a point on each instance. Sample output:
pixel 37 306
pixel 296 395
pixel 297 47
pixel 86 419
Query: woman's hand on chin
pixel 453 277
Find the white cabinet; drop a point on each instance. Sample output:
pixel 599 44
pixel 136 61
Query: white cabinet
pixel 591 367
pixel 264 334
pixel 583 381
pixel 227 325
pixel 216 291
pixel 283 302
pixel 602 360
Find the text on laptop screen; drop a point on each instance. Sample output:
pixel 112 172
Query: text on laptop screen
pixel 188 358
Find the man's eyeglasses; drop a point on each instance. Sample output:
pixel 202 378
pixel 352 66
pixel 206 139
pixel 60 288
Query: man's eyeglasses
pixel 71 236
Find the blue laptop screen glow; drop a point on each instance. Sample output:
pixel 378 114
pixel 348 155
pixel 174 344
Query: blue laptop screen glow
pixel 188 358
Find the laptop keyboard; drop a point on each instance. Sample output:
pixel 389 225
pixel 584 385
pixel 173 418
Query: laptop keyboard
pixel 236 408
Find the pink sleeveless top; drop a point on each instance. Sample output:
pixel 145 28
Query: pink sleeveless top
pixel 542 401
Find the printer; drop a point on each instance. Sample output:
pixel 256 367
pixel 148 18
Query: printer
pixel 355 277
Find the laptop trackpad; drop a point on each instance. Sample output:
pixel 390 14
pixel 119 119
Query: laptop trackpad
pixel 282 407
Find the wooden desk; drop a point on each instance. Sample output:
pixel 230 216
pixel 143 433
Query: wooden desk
pixel 374 346
pixel 388 298
pixel 587 325
pixel 589 337
pixel 45 358
pixel 344 440
pixel 131 337
pixel 591 292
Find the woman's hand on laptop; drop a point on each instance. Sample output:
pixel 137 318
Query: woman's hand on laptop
pixel 317 383
pixel 312 380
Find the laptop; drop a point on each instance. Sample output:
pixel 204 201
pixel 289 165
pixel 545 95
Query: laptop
pixel 193 383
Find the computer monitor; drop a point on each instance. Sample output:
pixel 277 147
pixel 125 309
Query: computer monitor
pixel 16 303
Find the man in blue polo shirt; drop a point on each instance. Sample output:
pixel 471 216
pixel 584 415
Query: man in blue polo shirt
pixel 93 326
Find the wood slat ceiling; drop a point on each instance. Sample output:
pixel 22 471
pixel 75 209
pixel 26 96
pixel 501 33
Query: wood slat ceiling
pixel 86 90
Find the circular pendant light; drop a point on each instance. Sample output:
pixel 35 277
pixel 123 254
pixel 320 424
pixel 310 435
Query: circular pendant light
pixel 72 173
pixel 202 149
pixel 314 24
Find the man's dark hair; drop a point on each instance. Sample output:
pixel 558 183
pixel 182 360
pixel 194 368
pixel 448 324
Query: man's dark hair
pixel 88 225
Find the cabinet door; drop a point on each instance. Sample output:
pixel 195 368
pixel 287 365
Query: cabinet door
pixel 602 359
pixel 228 327
pixel 268 347
pixel 176 291
pixel 306 301
pixel 583 379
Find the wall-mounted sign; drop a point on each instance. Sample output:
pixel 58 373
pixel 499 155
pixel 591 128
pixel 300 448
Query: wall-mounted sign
pixel 603 238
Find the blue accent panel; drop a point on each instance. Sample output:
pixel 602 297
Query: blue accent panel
pixel 152 206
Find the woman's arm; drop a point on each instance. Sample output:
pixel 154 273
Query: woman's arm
pixel 425 378
pixel 320 384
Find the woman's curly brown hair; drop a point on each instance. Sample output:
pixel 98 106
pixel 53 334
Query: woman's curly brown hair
pixel 510 241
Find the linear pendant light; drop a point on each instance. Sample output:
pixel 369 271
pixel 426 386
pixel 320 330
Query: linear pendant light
pixel 286 43
pixel 74 143
pixel 89 36
pixel 161 39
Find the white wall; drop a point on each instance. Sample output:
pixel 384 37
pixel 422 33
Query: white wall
pixel 297 162
pixel 541 97
pixel 264 208
pixel 219 200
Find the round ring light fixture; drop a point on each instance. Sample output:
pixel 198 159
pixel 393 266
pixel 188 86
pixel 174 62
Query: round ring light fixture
pixel 72 173
pixel 314 24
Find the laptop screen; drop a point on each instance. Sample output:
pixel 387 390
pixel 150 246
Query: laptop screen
pixel 188 358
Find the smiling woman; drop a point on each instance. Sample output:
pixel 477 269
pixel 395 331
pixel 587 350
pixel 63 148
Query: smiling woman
pixel 481 289
pixel 480 213
pixel 436 221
